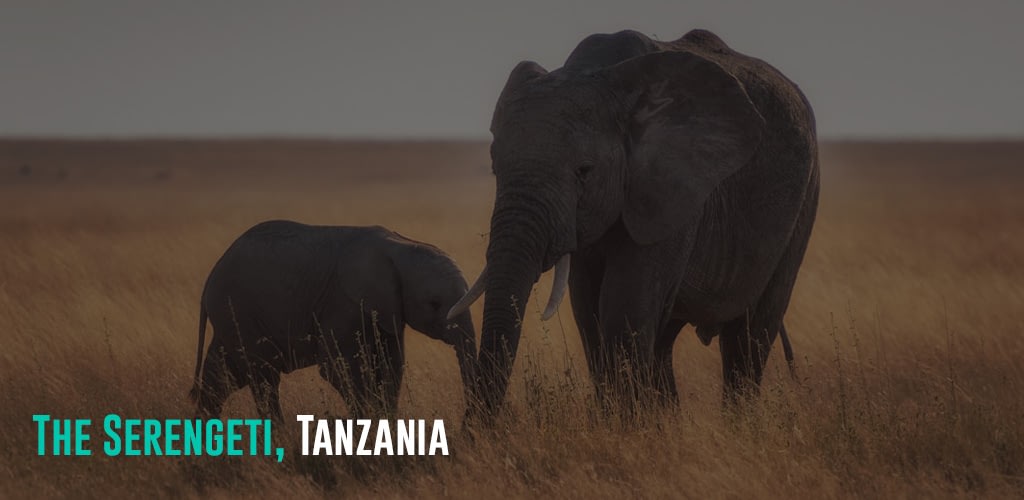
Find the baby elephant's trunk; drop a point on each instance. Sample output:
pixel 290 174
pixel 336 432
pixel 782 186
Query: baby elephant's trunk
pixel 463 338
pixel 196 382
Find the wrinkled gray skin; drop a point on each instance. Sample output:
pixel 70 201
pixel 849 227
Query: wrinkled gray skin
pixel 286 296
pixel 682 179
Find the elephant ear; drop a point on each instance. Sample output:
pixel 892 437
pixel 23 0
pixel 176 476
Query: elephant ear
pixel 520 75
pixel 692 126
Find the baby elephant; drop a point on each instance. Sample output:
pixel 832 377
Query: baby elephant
pixel 287 295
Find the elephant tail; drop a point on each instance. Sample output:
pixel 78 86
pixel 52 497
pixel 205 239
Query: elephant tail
pixel 196 383
pixel 787 349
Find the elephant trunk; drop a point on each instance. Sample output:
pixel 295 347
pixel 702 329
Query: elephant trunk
pixel 507 295
pixel 516 256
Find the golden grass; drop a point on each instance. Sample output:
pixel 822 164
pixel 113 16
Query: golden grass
pixel 907 321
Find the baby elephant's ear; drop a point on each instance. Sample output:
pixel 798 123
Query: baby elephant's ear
pixel 692 125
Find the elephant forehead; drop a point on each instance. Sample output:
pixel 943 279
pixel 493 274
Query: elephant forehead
pixel 560 118
pixel 554 97
pixel 525 146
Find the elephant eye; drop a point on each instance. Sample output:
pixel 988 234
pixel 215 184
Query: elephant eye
pixel 583 170
pixel 435 304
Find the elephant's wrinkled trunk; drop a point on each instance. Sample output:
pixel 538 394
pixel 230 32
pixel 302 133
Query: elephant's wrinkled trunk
pixel 532 227
pixel 504 304
pixel 516 257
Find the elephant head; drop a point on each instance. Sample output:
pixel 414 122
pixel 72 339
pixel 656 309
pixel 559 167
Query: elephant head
pixel 643 141
pixel 430 284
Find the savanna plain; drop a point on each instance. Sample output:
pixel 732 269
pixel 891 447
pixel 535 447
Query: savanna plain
pixel 907 323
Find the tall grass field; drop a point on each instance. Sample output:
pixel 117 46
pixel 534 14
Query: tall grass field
pixel 907 321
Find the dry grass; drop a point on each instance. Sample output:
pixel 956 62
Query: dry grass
pixel 907 322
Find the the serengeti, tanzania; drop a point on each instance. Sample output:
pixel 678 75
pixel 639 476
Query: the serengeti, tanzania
pixel 511 250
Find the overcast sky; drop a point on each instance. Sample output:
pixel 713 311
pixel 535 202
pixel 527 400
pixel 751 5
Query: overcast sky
pixel 434 69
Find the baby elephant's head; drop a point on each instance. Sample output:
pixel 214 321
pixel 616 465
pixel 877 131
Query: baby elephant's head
pixel 431 285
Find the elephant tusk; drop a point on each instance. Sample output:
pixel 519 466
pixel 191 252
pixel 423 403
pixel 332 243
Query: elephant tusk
pixel 471 296
pixel 558 288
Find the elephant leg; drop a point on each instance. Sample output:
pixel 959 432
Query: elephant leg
pixel 224 372
pixel 664 375
pixel 630 315
pixel 389 366
pixel 744 343
pixel 638 295
pixel 343 366
pixel 584 294
pixel 365 368
pixel 347 375
pixel 381 347
pixel 265 386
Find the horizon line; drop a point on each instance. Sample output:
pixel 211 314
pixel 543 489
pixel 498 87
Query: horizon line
pixel 442 138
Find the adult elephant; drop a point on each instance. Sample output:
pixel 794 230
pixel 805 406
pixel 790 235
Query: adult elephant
pixel 682 179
